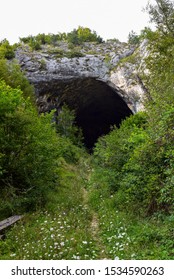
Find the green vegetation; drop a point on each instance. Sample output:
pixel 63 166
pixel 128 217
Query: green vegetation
pixel 12 75
pixel 66 126
pixel 76 37
pixel 30 148
pixel 134 165
pixel 162 14
pixel 83 34
pixel 29 153
pixel 6 51
pixel 61 232
pixel 73 52
pixel 117 203
pixel 127 236
pixel 133 38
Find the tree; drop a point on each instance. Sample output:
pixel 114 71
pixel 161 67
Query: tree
pixel 86 35
pixel 159 79
pixel 140 160
pixel 83 34
pixel 6 50
pixel 133 38
pixel 29 149
pixel 162 14
pixel 66 126
pixel 13 76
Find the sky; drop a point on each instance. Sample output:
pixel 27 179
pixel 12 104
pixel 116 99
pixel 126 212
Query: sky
pixel 109 18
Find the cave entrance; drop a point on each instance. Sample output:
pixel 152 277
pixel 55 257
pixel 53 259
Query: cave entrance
pixel 97 105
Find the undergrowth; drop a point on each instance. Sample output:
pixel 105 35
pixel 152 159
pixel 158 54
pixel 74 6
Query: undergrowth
pixel 127 236
pixel 60 232
pixel 63 230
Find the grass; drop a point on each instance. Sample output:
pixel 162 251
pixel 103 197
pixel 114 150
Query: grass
pixel 127 236
pixel 62 232
pixel 82 221
pixel 51 236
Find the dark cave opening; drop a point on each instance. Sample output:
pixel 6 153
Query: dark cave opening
pixel 97 105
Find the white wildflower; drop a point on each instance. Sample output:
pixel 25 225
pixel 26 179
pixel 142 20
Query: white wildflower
pixel 12 255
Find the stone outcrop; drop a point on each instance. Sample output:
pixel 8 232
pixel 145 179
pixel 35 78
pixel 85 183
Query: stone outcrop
pixel 99 82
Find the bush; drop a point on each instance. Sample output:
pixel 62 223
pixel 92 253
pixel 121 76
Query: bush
pixel 72 54
pixel 137 162
pixel 28 152
pixel 148 172
pixel 113 150
pixel 66 126
pixel 83 34
pixel 6 51
pixel 75 37
pixel 13 76
pixel 34 44
pixel 133 38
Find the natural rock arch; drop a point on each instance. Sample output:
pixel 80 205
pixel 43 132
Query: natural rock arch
pixel 101 92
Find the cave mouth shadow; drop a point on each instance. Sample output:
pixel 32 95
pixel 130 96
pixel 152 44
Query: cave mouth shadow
pixel 97 105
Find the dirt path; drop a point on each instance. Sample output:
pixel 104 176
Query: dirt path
pixel 95 230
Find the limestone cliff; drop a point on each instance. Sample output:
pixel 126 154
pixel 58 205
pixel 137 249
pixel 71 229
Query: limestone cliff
pixel 105 62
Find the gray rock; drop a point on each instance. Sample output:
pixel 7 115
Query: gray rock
pixel 104 65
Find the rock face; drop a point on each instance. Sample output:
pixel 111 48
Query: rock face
pixel 99 83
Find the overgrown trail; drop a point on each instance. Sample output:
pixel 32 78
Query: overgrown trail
pixel 81 222
pixel 68 229
pixel 94 228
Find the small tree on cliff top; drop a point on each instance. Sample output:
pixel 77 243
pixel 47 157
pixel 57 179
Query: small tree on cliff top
pixel 162 14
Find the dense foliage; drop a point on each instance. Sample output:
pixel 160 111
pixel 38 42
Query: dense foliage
pixel 30 148
pixel 66 127
pixel 137 160
pixel 26 141
pixel 6 50
pixel 83 34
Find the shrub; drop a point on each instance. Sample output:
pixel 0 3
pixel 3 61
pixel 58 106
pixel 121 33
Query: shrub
pixel 66 126
pixel 136 161
pixel 34 44
pixel 133 38
pixel 28 152
pixel 72 54
pixel 13 76
pixel 6 50
pixel 83 34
